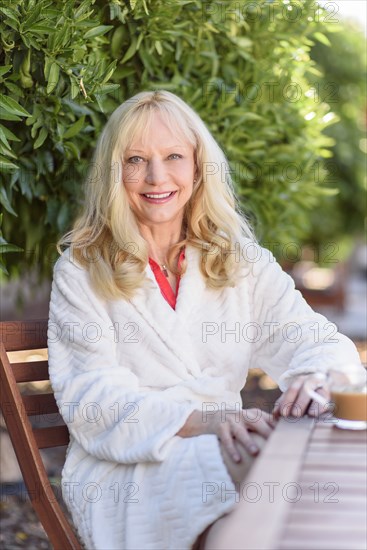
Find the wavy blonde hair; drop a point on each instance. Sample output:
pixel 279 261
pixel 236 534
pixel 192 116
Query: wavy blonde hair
pixel 105 238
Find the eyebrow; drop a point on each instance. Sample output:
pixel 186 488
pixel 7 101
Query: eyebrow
pixel 164 148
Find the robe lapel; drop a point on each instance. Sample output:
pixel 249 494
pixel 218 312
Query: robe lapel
pixel 192 286
pixel 170 325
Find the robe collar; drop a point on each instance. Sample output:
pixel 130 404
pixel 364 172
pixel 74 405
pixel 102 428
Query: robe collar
pixel 171 325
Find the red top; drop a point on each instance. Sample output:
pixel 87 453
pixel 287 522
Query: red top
pixel 163 282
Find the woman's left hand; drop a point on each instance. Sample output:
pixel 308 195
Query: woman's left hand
pixel 296 400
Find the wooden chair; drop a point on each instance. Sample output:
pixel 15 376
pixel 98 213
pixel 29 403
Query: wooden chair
pixel 30 335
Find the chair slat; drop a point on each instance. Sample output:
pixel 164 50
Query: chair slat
pixel 56 436
pixel 32 371
pixel 18 335
pixel 40 404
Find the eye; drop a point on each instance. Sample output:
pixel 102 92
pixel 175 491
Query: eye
pixel 175 156
pixel 134 160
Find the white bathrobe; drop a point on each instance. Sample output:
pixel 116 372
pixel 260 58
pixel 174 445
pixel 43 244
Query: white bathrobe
pixel 127 375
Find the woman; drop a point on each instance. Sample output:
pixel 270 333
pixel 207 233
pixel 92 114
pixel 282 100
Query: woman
pixel 160 305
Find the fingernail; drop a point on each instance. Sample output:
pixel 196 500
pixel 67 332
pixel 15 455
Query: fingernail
pixel 237 458
pixel 253 449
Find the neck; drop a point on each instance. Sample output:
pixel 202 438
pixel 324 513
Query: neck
pixel 160 239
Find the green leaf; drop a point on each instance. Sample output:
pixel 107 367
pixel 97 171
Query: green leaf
pixel 328 191
pixel 106 89
pixel 7 116
pixel 10 136
pixel 74 128
pixel 5 201
pixel 109 72
pixel 6 165
pixel 53 77
pixel 70 146
pixel 6 150
pixel 145 7
pixel 5 69
pixel 158 47
pixel 9 13
pixel 117 41
pixel 40 28
pixel 74 89
pixel 97 31
pixel 61 37
pixel 14 89
pixel 326 153
pixel 6 247
pixel 82 9
pixel 130 51
pixel 3 268
pixel 63 216
pixel 11 106
pixel 322 38
pixel 41 138
pixel 33 17
pixel 47 66
pixel 3 138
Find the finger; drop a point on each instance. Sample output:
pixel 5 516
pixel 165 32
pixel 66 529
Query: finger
pixel 227 440
pixel 244 438
pixel 316 409
pixel 324 392
pixel 307 403
pixel 301 403
pixel 282 407
pixel 256 414
pixel 261 427
pixel 276 409
pixel 289 397
pixel 252 417
pixel 269 419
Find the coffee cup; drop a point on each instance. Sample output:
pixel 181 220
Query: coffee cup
pixel 348 391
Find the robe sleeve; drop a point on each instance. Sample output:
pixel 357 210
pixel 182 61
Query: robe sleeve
pixel 99 398
pixel 293 339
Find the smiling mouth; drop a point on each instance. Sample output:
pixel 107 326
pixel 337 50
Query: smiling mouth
pixel 158 197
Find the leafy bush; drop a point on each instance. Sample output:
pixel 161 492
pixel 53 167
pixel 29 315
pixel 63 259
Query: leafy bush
pixel 242 65
pixel 342 60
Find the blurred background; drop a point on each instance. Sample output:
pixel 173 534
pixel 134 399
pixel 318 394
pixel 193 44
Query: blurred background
pixel 281 85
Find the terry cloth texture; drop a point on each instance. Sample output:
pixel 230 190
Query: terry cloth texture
pixel 127 375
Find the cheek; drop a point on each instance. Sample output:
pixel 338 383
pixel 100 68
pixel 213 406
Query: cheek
pixel 132 176
pixel 189 184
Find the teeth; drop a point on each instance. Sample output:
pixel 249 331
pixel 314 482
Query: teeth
pixel 161 196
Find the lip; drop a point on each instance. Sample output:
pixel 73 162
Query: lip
pixel 158 201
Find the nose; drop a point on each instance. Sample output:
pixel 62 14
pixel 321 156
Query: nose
pixel 156 173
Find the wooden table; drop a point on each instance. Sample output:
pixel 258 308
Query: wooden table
pixel 306 491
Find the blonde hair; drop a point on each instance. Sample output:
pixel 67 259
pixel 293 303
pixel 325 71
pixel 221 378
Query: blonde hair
pixel 105 238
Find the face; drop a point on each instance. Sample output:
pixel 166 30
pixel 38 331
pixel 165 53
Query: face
pixel 158 174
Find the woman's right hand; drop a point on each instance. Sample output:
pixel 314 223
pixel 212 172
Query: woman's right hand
pixel 234 428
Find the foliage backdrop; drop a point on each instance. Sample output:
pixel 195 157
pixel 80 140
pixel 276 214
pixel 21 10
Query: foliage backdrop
pixel 343 86
pixel 244 66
